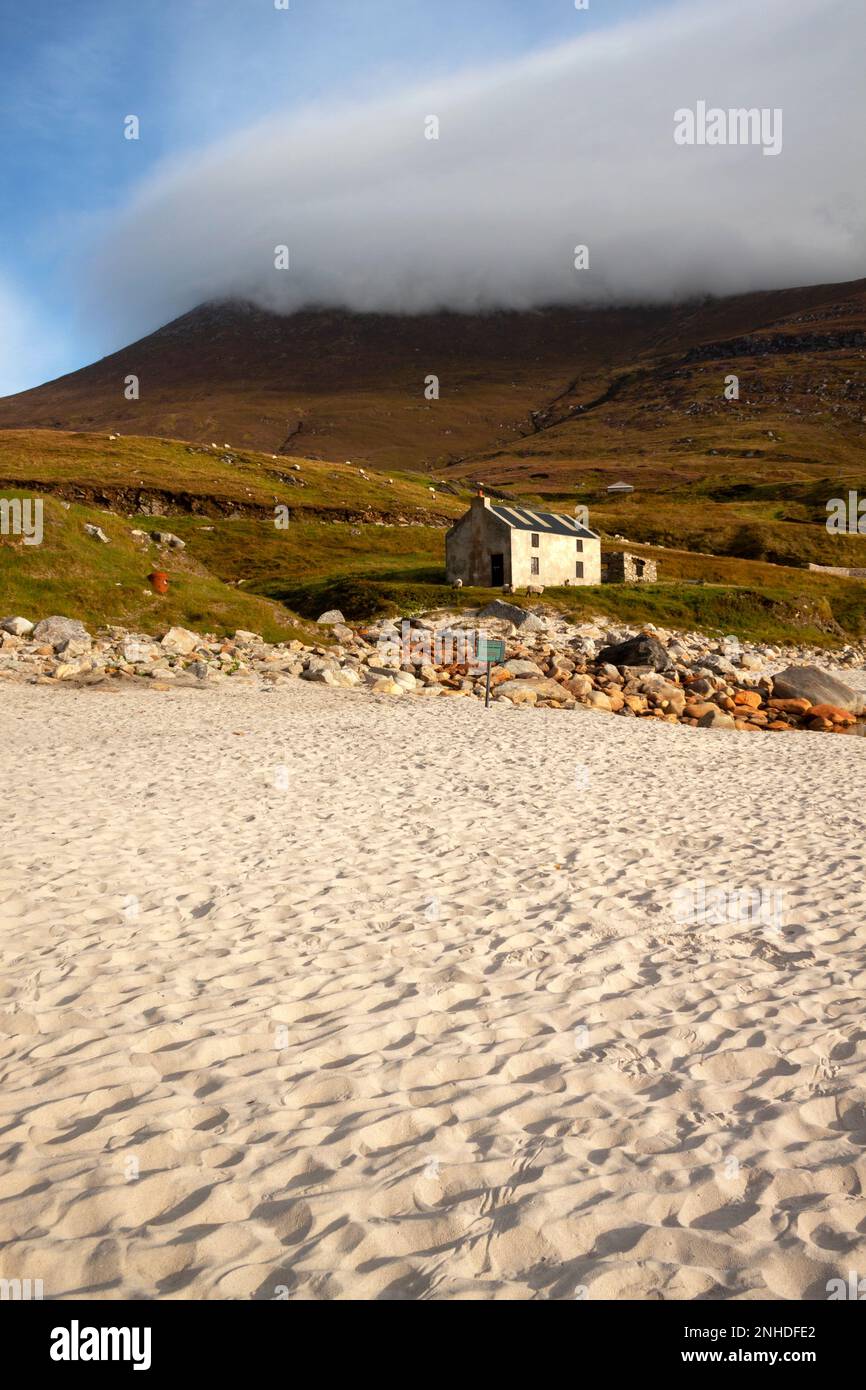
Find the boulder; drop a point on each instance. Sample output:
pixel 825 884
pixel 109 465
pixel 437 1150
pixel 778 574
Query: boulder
pixel 716 718
pixel 833 713
pixel 543 688
pixel 642 650
pixel 519 667
pixel 665 694
pixel 333 615
pixel 73 647
pixel 316 665
pixel 168 538
pixel 521 692
pixel 817 686
pixel 17 627
pixel 790 706
pixel 384 686
pixel 581 687
pixel 179 641
pixel 719 665
pixel 406 679
pixel 54 631
pixel 96 533
pixel 134 651
pixel 598 700
pixel 511 613
pixel 65 670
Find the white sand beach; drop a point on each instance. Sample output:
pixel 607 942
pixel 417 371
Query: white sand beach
pixel 315 994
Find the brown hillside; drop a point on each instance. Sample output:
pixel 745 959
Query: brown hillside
pixel 555 395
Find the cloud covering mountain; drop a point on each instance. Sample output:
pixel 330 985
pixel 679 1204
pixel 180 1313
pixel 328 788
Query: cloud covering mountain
pixel 573 146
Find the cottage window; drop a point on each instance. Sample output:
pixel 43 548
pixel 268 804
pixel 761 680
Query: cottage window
pixel 578 570
pixel 534 564
pixel 579 545
pixel 535 540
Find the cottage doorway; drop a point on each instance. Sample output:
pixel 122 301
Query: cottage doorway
pixel 497 570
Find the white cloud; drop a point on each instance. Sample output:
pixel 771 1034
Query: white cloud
pixel 571 146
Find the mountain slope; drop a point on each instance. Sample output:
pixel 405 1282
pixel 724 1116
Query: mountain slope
pixel 554 391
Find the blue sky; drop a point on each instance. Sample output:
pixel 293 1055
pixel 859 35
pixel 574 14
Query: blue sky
pixel 256 122
pixel 193 71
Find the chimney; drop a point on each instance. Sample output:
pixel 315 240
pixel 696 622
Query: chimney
pixel 479 501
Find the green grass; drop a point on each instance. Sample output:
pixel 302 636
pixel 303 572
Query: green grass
pixel 79 464
pixel 78 577
pixel 240 570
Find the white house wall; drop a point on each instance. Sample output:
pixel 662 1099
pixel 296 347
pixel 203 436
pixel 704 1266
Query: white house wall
pixel 557 558
pixel 471 541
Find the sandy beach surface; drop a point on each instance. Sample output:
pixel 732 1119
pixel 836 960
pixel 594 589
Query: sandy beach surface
pixel 313 994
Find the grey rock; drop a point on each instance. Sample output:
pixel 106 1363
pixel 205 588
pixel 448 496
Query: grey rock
pixel 333 615
pixel 96 533
pixel 716 719
pixel 719 665
pixel 56 630
pixel 179 641
pixel 73 647
pixel 811 683
pixel 512 613
pixel 168 538
pixel 642 650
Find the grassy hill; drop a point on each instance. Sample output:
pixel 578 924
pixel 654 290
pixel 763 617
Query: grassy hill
pixel 367 544
pixel 243 411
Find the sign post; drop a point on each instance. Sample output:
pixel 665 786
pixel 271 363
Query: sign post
pixel 491 650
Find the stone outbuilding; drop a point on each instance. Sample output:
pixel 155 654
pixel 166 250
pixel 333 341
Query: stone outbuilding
pixel 619 567
pixel 498 543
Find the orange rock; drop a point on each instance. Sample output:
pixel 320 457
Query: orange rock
pixel 698 708
pixel 833 713
pixel 821 726
pixel 748 697
pixel 791 706
pixel 778 724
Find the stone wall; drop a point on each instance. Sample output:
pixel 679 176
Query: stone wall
pixel 840 571
pixel 619 567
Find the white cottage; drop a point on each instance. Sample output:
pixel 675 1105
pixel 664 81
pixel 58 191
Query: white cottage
pixel 505 543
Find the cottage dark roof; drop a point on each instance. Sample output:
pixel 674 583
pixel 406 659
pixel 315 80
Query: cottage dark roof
pixel 551 523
